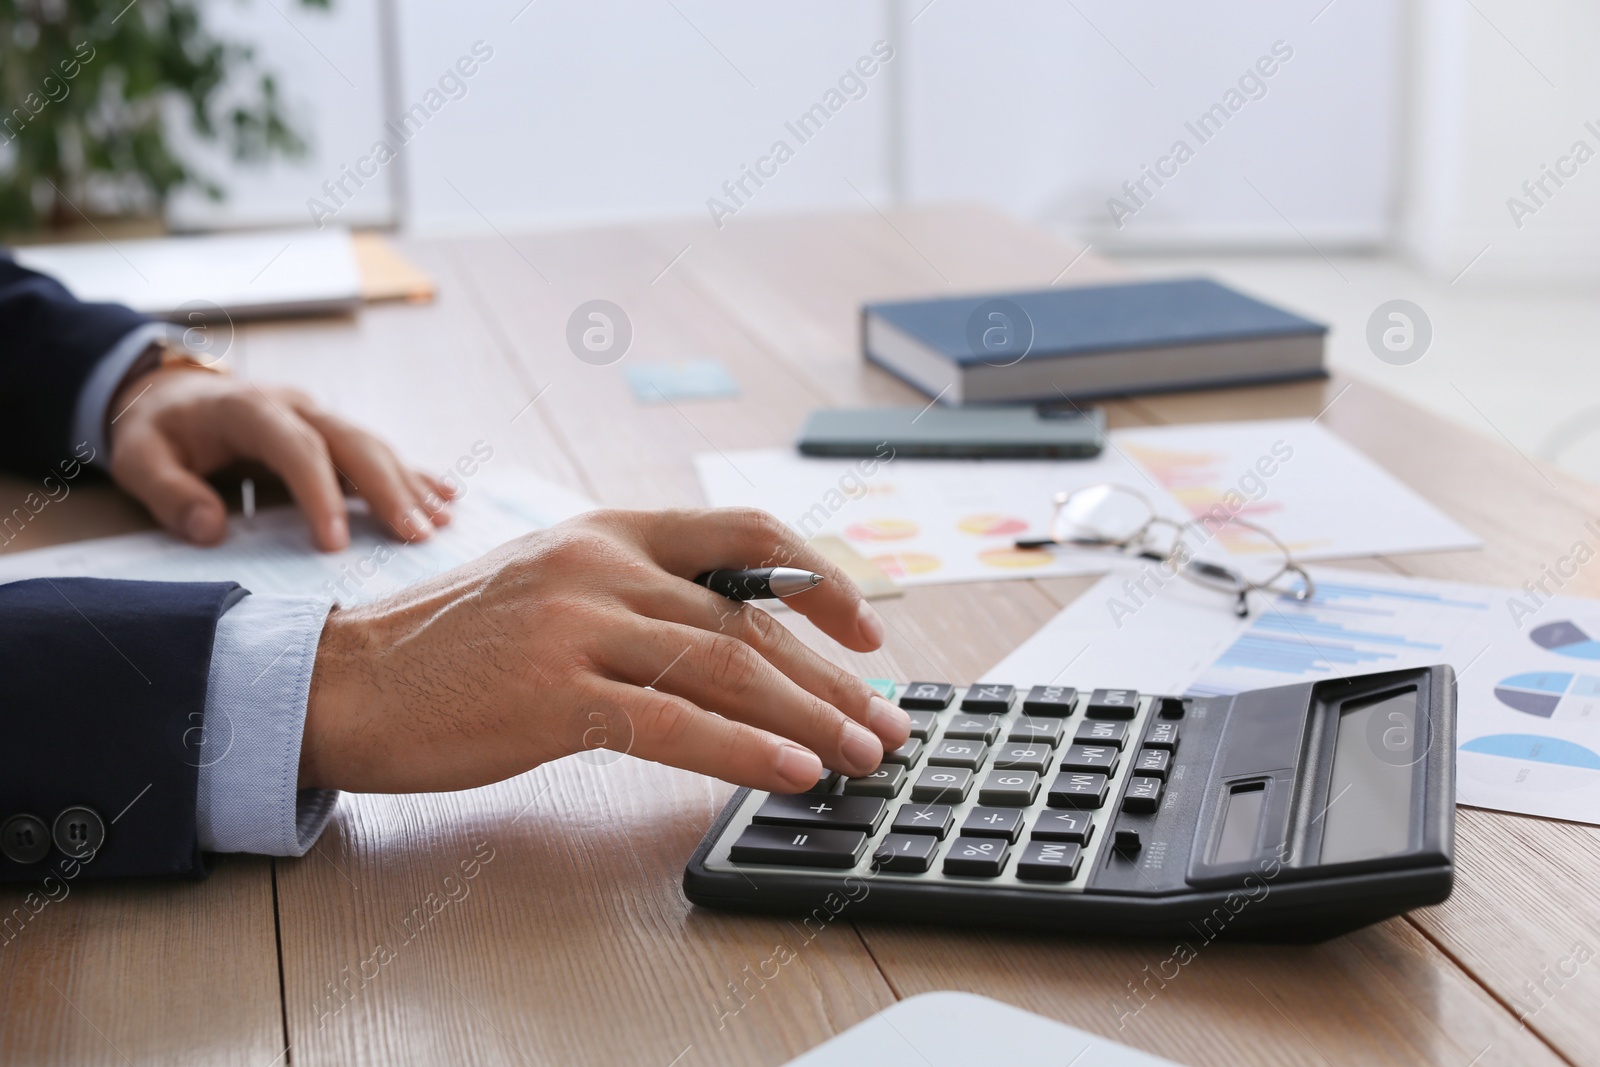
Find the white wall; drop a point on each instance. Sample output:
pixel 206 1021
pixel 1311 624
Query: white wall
pixel 1048 108
pixel 1503 89
pixel 597 112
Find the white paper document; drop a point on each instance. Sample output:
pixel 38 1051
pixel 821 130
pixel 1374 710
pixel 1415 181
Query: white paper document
pixel 1528 720
pixel 238 274
pixel 925 521
pixel 272 552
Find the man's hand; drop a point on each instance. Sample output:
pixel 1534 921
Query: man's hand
pixel 590 635
pixel 172 427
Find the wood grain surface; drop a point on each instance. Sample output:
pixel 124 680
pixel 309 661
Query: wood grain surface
pixel 542 920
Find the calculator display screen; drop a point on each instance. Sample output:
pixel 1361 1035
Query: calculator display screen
pixel 1369 794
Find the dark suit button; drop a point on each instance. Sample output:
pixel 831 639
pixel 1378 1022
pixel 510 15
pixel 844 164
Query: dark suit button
pixel 25 839
pixel 79 833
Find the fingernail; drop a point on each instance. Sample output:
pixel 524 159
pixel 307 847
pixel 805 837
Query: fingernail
pixel 199 523
pixel 870 623
pixel 798 766
pixel 861 748
pixel 338 532
pixel 420 525
pixel 891 724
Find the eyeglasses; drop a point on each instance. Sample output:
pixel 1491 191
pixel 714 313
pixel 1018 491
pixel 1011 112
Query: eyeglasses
pixel 1119 518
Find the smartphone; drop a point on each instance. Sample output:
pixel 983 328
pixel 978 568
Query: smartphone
pixel 974 431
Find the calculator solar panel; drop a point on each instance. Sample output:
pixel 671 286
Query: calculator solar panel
pixel 1293 813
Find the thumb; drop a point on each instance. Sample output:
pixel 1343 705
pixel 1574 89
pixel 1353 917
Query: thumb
pixel 151 471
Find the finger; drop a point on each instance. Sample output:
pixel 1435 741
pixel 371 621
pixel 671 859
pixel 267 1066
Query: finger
pixel 432 495
pixel 375 473
pixel 692 605
pixel 727 676
pixel 292 448
pixel 691 542
pixel 146 465
pixel 671 730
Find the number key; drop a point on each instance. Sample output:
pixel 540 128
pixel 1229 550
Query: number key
pixel 923 723
pixel 1044 731
pixel 884 782
pixel 1011 789
pixel 1035 758
pixel 983 728
pixel 907 754
pixel 942 785
pixel 968 754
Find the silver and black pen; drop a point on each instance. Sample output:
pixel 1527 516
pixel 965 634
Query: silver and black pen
pixel 759 583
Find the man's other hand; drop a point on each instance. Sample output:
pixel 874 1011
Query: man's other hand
pixel 172 427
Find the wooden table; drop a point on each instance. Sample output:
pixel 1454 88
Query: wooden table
pixel 573 943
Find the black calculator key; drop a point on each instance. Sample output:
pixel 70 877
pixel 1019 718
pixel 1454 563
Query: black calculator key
pixel 968 754
pixel 983 856
pixel 1035 758
pixel 1170 707
pixel 1153 762
pixel 827 783
pixel 911 853
pixel 810 809
pixel 1103 758
pixel 1162 735
pixel 993 698
pixel 993 822
pixel 942 785
pixel 1009 789
pixel 983 728
pixel 799 846
pixel 1112 704
pixel 914 818
pixel 1074 826
pixel 907 754
pixel 1050 700
pixel 1102 732
pixel 1078 789
pixel 923 723
pixel 1143 795
pixel 1049 861
pixel 884 782
pixel 927 696
pixel 1029 728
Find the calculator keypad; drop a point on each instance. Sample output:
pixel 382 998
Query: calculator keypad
pixel 993 784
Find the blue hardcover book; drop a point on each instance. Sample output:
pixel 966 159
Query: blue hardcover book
pixel 1091 341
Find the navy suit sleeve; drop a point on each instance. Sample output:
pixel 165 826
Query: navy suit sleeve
pixel 104 694
pixel 49 343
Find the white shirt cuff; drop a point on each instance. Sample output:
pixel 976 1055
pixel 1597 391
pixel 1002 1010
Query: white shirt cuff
pixel 249 752
pixel 89 417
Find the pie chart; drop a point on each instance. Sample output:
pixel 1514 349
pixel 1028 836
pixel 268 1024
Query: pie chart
pixel 1529 762
pixel 1552 695
pixel 988 525
pixel 907 564
pixel 1566 638
pixel 881 530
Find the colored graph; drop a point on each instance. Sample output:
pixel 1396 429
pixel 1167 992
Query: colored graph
pixel 1347 628
pixel 1565 638
pixel 881 530
pixel 1198 481
pixel 906 564
pixel 1552 695
pixel 1530 762
pixel 1008 558
pixel 990 525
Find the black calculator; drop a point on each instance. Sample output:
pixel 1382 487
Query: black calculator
pixel 1292 813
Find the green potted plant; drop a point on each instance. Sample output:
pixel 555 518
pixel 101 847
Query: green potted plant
pixel 88 89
